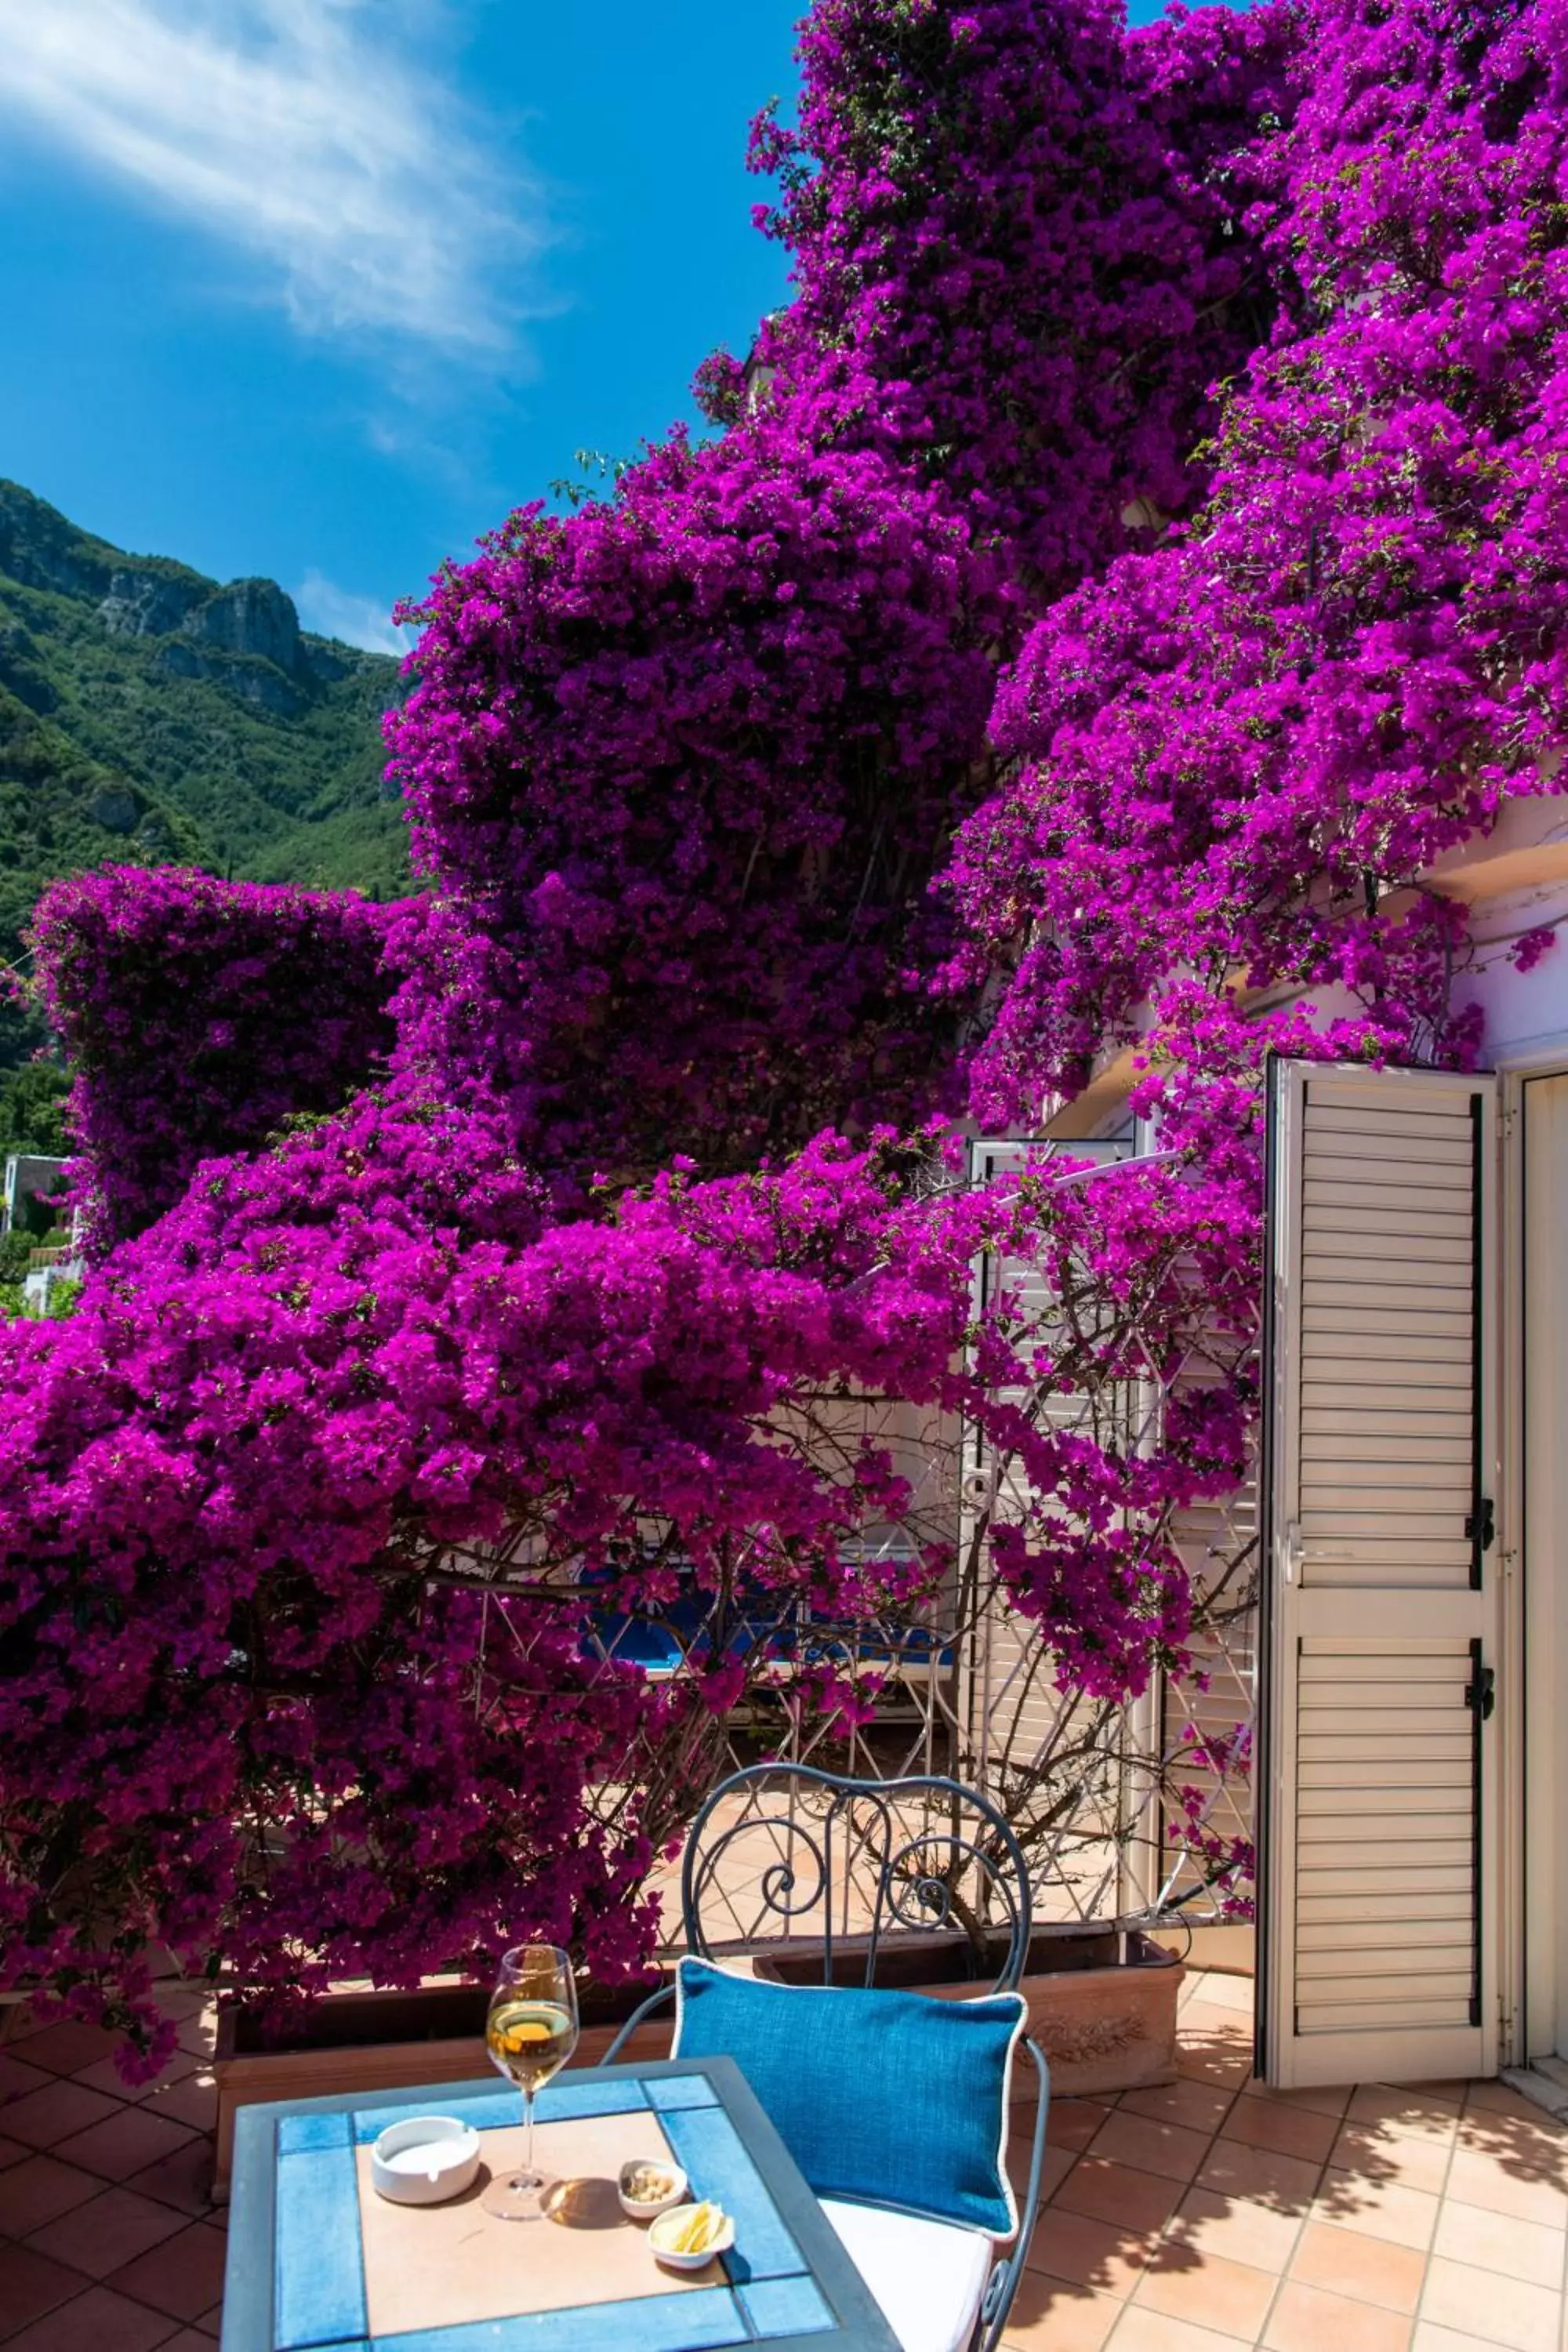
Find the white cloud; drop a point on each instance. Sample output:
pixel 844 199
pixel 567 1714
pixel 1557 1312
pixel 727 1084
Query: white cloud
pixel 328 611
pixel 318 136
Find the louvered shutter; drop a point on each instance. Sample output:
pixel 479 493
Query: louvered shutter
pixel 1377 1838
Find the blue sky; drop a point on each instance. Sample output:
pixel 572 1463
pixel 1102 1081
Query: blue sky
pixel 320 288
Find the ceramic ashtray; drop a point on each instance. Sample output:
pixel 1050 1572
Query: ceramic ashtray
pixel 689 2238
pixel 648 2188
pixel 425 2161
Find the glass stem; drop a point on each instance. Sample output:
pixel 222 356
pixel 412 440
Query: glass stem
pixel 528 2132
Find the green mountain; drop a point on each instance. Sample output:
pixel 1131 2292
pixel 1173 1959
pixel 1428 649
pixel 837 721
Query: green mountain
pixel 148 714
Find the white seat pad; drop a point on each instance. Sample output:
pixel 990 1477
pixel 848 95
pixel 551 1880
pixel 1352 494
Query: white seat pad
pixel 928 2276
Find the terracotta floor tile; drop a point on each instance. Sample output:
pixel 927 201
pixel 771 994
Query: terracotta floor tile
pixel 186 2179
pixel 105 2075
pixel 211 2322
pixel 1346 2262
pixel 1214 2023
pixel 1501 2185
pixel 1206 2290
pixel 1418 2115
pixel 45 2117
pixel 192 2102
pixel 1537 2136
pixel 12 2152
pixel 1073 2122
pixel 61 2049
pixel 1199 2107
pixel 1151 2147
pixel 37 2191
pixel 1384 2155
pixel 1317 2099
pixel 1491 2242
pixel 183 2276
pixel 1142 2330
pixel 1049 2315
pixel 1228 1992
pixel 106 2234
pixel 1378 2209
pixel 125 2143
pixel 97 2321
pixel 1085 2252
pixel 1237 2227
pixel 16 2080
pixel 189 2339
pixel 178 1999
pixel 1498 2310
pixel 1140 2201
pixel 1430 2338
pixel 1199 2060
pixel 1287 2130
pixel 1232 2168
pixel 1307 2319
pixel 30 2284
pixel 1499 2100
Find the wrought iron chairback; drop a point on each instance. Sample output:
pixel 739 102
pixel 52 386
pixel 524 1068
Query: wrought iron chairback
pixel 850 1871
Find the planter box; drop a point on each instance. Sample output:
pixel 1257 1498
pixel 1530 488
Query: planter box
pixel 1102 2007
pixel 390 2041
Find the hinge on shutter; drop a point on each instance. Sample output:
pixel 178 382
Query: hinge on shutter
pixel 1481 1692
pixel 1480 1525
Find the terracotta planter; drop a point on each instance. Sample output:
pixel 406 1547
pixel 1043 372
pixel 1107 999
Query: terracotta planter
pixel 389 2041
pixel 1102 2007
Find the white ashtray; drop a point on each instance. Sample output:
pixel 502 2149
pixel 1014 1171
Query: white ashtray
pixel 425 2161
pixel 635 2175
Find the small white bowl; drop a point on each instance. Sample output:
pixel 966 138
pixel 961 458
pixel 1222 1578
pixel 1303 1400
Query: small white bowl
pixel 636 2209
pixel 675 2262
pixel 423 2160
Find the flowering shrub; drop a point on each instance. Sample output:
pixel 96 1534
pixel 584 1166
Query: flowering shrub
pixel 1237 754
pixel 200 1016
pixel 269 1692
pixel 683 763
pixel 1021 252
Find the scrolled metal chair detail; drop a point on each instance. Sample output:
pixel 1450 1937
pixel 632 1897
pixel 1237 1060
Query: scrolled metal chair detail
pixel 826 1878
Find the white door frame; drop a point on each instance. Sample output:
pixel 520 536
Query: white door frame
pixel 1533 1970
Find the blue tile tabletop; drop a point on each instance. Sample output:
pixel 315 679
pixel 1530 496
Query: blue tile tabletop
pixel 296 2279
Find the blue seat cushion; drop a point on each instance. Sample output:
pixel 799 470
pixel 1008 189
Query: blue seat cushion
pixel 891 2098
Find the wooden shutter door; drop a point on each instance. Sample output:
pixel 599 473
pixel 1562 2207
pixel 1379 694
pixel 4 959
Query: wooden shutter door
pixel 1378 1842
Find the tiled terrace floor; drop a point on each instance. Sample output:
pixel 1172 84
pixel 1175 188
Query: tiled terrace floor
pixel 1213 2213
pixel 1199 2218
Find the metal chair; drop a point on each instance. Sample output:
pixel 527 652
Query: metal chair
pixel 856 1872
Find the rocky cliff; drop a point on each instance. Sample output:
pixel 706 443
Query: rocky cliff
pixel 147 711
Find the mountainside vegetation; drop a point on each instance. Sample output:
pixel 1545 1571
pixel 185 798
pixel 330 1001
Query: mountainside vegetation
pixel 150 716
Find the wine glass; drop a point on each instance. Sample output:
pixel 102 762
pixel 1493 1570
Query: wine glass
pixel 531 2031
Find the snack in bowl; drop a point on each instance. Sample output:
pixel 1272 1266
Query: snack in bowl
pixel 691 2237
pixel 648 2188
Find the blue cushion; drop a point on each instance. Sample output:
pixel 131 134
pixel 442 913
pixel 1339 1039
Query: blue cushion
pixel 887 2096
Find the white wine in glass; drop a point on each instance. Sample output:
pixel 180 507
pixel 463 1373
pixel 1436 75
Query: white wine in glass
pixel 530 2033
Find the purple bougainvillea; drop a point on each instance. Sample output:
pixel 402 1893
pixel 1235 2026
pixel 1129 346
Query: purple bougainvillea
pixel 684 764
pixel 199 1015
pixel 1192 404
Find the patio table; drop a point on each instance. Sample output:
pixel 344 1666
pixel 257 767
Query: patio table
pixel 319 2263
